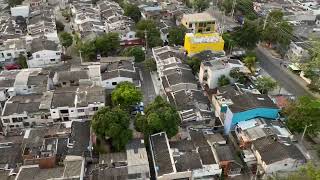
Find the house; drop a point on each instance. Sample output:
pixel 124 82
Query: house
pixel 226 158
pixel 70 78
pixel 131 164
pixel 12 49
pixel 211 71
pixel 79 141
pixel 121 69
pixel 10 154
pixel 199 22
pixel 70 103
pixel 248 106
pixel 189 159
pixel 151 12
pixel 7 79
pixel 24 111
pixel 298 52
pixel 195 43
pixel 318 20
pixel 22 10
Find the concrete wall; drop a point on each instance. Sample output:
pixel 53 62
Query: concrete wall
pixel 44 58
pixel 108 83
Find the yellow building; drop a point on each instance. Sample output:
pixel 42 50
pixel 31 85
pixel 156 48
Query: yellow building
pixel 195 43
pixel 199 22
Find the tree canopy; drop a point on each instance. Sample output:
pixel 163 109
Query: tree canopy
pixel 250 62
pixel 88 50
pixel 200 5
pixel 153 34
pixel 108 44
pixel 112 124
pixel 302 112
pixel 13 3
pixel 133 12
pixel 312 67
pixel 125 95
pixel 194 64
pixel 150 64
pixel 176 35
pixel 66 39
pixel 159 116
pixel 265 84
pixel 248 35
pixel 223 80
pixel 22 61
pixel 136 52
pixel 239 76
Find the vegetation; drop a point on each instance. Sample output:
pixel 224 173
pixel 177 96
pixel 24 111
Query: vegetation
pixel 136 52
pixel 88 50
pixel 13 3
pixel 66 39
pixel 305 111
pixel 242 8
pixel 133 12
pixel 22 61
pixel 153 34
pixel 150 64
pixel 200 5
pixel 265 84
pixel 194 63
pixel 159 116
pixel 223 80
pixel 312 68
pixel 250 62
pixel 125 95
pixel 59 26
pixel 176 35
pixel 112 124
pixel 308 172
pixel 239 76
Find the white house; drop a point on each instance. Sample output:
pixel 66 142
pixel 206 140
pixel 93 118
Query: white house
pixel 11 49
pixel 44 53
pixel 72 103
pixel 211 71
pixel 22 10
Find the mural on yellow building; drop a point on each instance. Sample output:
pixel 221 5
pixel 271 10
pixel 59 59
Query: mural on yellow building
pixel 195 43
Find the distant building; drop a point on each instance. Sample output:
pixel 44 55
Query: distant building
pixel 12 49
pixel 195 43
pixel 199 22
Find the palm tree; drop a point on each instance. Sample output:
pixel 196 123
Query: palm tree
pixel 250 62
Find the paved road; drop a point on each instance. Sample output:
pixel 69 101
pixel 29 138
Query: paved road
pixel 146 84
pixel 286 79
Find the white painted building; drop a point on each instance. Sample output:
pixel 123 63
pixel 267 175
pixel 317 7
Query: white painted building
pixel 44 53
pixel 211 71
pixel 22 10
pixel 11 49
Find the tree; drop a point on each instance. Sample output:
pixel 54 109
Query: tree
pixel 277 30
pixel 248 35
pixel 150 64
pixel 159 116
pixel 108 44
pixel 88 50
pixel 22 61
pixel 13 3
pixel 200 5
pixel 136 52
pixel 307 172
pixel 153 34
pixel 133 12
pixel 250 62
pixel 239 76
pixel 223 80
pixel 125 95
pixel 176 35
pixel 66 39
pixel 312 67
pixel 265 84
pixel 303 112
pixel 59 26
pixel 194 63
pixel 229 41
pixel 114 125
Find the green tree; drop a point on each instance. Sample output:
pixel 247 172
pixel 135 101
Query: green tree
pixel 200 5
pixel 250 62
pixel 159 116
pixel 194 64
pixel 153 34
pixel 136 52
pixel 303 112
pixel 265 84
pixel 248 35
pixel 108 44
pixel 277 30
pixel 125 95
pixel 246 8
pixel 66 39
pixel 88 51
pixel 176 35
pixel 229 41
pixel 133 12
pixel 150 64
pixel 312 67
pixel 239 76
pixel 112 124
pixel 22 61
pixel 59 26
pixel 223 80
pixel 13 3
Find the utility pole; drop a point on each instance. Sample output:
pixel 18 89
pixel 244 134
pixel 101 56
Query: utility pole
pixel 265 21
pixel 233 6
pixel 223 22
pixel 304 131
pixel 146 40
pixel 80 56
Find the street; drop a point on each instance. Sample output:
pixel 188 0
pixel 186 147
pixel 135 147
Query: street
pixel 286 79
pixel 147 86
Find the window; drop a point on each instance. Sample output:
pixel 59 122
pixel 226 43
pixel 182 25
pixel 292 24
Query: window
pixel 95 108
pixel 2 55
pixel 11 126
pixel 26 124
pixel 64 111
pixel 58 53
pixel 37 56
pixel 6 120
pixel 64 83
pixel 208 29
pixel 22 52
pixel 190 25
pixel 114 83
pixel 201 24
pixel 80 110
pixel 9 54
pixel 285 164
pixel 71 110
pixel 17 125
pixel 130 36
pixel 200 31
pixel 29 87
pixel 52 60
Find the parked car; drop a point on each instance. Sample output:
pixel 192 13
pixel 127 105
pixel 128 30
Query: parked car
pixel 12 66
